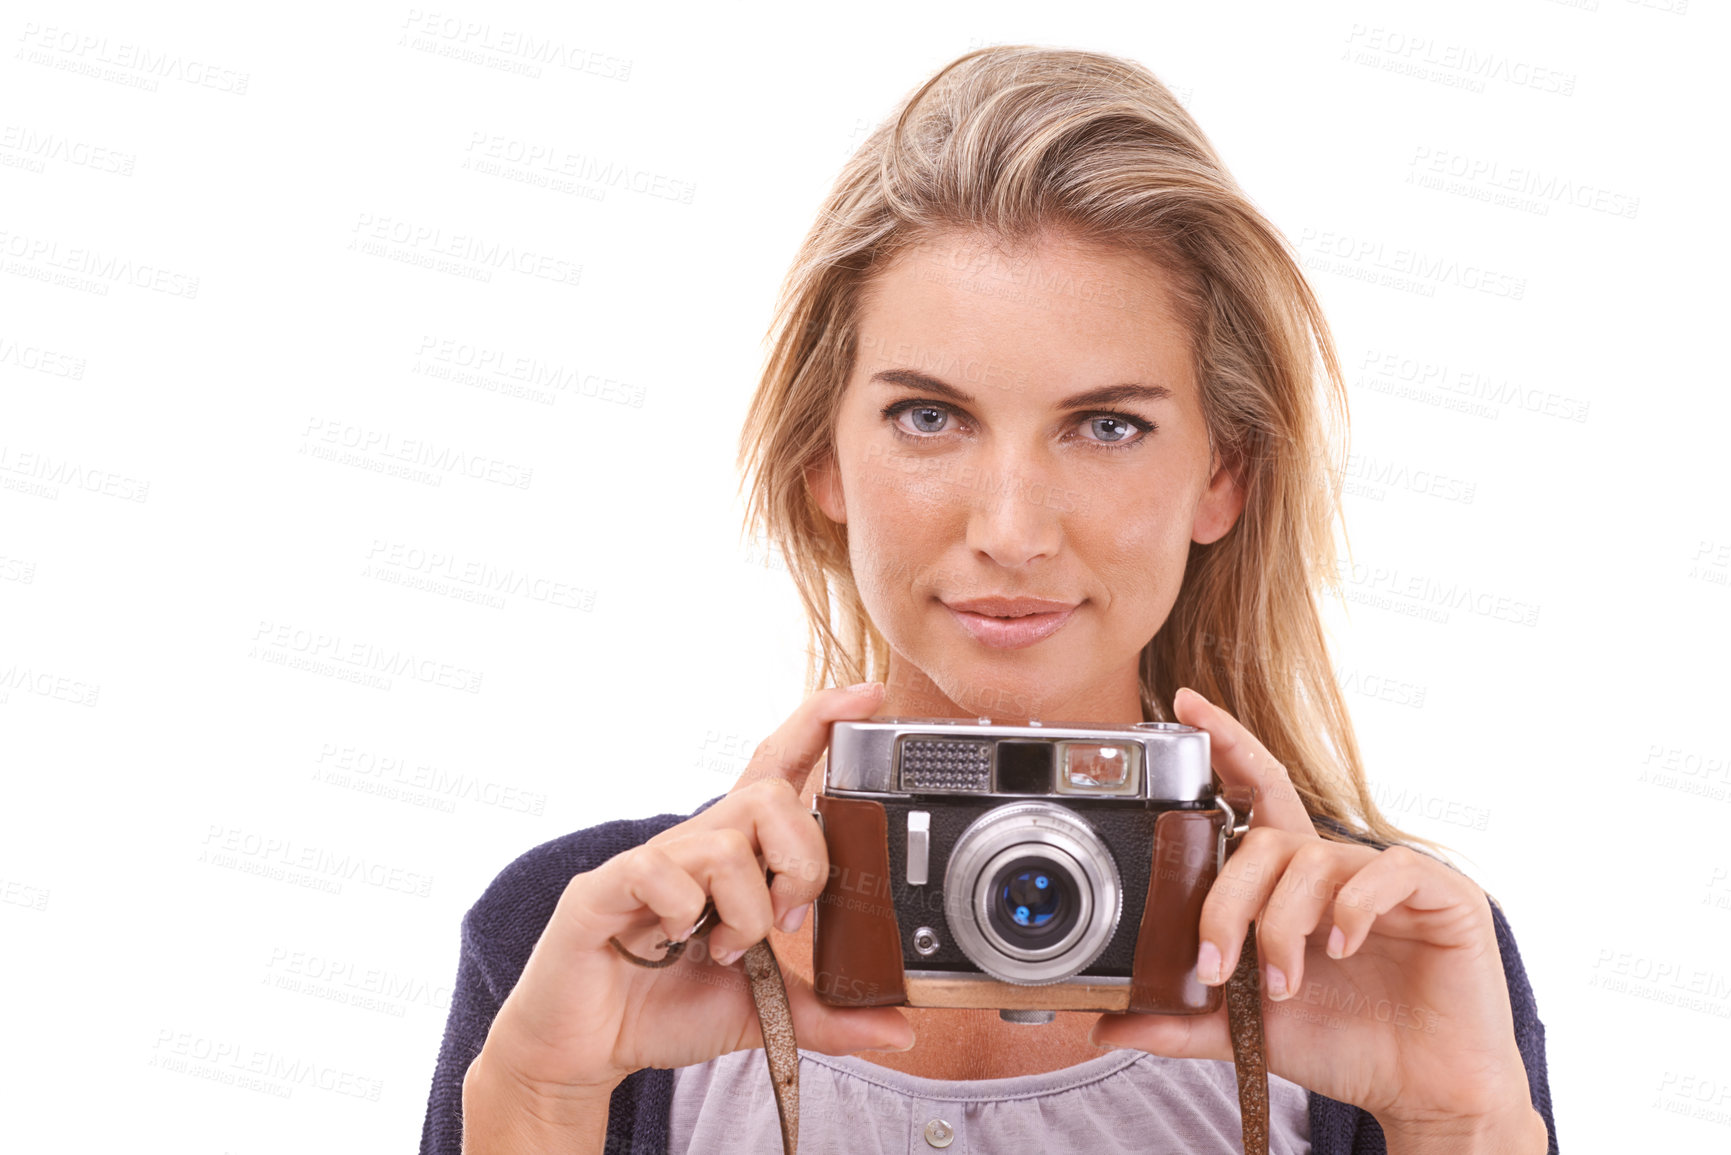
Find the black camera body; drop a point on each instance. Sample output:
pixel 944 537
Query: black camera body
pixel 1036 866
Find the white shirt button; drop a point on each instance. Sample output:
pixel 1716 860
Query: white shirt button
pixel 940 1133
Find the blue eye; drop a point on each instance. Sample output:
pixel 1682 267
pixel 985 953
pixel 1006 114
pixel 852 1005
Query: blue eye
pixel 1124 430
pixel 930 419
pixel 923 411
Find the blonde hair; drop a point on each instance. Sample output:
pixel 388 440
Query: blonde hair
pixel 1011 142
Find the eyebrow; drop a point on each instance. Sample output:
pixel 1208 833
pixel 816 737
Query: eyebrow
pixel 1105 395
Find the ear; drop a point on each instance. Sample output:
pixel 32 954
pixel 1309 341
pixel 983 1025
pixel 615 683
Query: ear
pixel 824 485
pixel 1221 502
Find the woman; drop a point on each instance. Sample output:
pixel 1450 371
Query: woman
pixel 1039 358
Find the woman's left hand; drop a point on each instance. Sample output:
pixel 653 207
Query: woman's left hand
pixel 1382 983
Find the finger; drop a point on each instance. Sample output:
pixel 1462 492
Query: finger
pixel 1238 896
pixel 845 1030
pixel 792 750
pixel 1392 877
pixel 1173 1036
pixel 787 838
pixel 724 862
pixel 1314 875
pixel 1241 760
pixel 817 1025
pixel 794 848
pixel 617 897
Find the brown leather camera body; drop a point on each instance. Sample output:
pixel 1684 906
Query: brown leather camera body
pixel 865 922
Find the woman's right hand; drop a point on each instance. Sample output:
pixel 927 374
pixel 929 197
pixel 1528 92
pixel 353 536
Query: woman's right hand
pixel 581 1018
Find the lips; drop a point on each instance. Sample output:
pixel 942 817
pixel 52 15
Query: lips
pixel 997 607
pixel 1010 623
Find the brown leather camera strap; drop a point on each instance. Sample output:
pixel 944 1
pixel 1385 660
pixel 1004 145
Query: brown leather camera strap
pixel 769 995
pixel 1244 1002
pixel 1244 1023
pixel 774 1016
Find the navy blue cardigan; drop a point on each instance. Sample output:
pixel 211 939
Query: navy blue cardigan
pixel 501 930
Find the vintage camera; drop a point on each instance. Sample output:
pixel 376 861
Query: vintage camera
pixel 1029 868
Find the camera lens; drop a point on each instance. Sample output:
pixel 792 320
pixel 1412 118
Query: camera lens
pixel 1032 893
pixel 1035 902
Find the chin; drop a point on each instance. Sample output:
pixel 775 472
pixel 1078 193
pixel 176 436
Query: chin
pixel 1001 685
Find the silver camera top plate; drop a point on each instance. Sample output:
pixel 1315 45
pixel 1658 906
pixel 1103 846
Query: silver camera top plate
pixel 1164 761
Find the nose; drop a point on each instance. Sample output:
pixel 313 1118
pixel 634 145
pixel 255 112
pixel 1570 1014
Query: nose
pixel 1015 516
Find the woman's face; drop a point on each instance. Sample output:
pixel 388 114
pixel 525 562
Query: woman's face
pixel 1021 424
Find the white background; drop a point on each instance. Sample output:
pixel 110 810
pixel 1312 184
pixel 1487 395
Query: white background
pixel 171 545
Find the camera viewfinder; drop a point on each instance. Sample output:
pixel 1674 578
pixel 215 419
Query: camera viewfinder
pixel 1024 767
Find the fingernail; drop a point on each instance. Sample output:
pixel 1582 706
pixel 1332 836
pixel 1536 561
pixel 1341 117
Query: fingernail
pixel 1276 982
pixel 1336 943
pixel 791 921
pixel 1208 964
pixel 865 687
pixel 728 958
